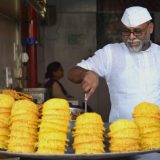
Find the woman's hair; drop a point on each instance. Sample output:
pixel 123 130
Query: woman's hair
pixel 52 67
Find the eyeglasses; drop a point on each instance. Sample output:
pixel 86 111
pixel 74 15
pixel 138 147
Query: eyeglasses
pixel 136 32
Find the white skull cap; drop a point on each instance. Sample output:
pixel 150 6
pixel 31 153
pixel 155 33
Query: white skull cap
pixel 135 16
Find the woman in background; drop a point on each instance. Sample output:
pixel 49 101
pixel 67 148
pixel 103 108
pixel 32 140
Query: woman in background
pixel 55 89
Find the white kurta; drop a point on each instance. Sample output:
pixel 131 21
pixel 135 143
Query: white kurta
pixel 131 77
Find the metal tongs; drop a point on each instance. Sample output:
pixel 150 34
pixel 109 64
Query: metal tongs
pixel 85 102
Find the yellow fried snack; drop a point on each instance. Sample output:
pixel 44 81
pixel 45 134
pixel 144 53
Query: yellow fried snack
pixel 66 118
pixel 124 136
pixel 32 117
pixel 98 134
pixel 146 130
pixel 26 96
pixel 88 134
pixel 122 124
pixel 125 148
pixel 4 118
pixel 147 118
pixel 23 127
pixel 5 110
pixel 60 136
pixel 123 141
pixel 6 101
pixel 34 124
pixel 54 126
pixel 3 137
pixel 3 140
pixel 150 143
pixel 17 95
pixel 90 127
pixel 97 145
pixel 19 124
pixel 23 137
pixel 88 151
pixel 87 138
pixel 44 150
pixel 22 133
pixel 127 133
pixel 55 112
pixel 4 131
pixel 56 104
pixel 151 146
pixel 147 122
pixel 146 109
pixel 91 118
pixel 3 145
pixel 24 106
pixel 54 144
pixel 52 120
pixel 21 148
pixel 155 134
pixel 51 130
pixel 17 141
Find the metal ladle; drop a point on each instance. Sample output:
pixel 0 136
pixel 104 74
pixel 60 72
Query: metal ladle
pixel 85 102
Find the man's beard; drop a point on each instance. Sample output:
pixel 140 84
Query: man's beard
pixel 135 49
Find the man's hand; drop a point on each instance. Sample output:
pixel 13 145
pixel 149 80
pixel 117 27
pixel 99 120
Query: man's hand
pixel 88 79
pixel 90 83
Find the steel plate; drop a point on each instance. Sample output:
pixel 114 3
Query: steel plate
pixel 70 153
pixel 74 156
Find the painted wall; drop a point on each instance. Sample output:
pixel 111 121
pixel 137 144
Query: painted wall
pixel 9 36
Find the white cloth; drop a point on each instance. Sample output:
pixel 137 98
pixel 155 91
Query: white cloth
pixel 131 77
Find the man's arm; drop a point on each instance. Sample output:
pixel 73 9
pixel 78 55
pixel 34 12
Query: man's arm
pixel 88 79
pixel 76 74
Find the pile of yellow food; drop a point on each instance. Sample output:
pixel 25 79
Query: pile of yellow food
pixel 147 118
pixel 54 126
pixel 123 136
pixel 17 95
pixel 6 103
pixel 23 127
pixel 88 134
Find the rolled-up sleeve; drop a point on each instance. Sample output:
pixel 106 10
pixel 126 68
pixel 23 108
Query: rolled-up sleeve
pixel 100 62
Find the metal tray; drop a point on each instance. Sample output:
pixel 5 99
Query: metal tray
pixel 71 156
pixel 70 153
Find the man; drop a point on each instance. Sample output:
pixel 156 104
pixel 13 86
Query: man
pixel 131 69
